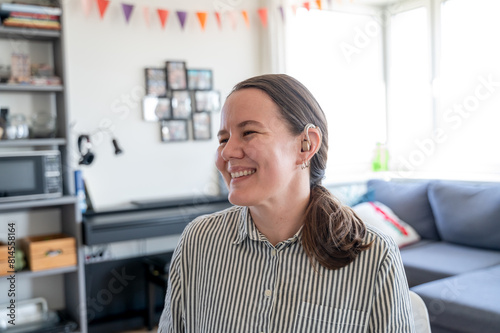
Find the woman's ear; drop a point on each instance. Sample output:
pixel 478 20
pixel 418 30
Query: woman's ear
pixel 310 144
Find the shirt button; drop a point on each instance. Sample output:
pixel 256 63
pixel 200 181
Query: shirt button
pixel 268 293
pixel 273 252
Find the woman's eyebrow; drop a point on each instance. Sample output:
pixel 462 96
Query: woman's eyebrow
pixel 241 125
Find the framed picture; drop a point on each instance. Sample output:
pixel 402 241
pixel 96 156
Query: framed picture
pixel 176 75
pixel 156 108
pixel 199 79
pixel 181 104
pixel 207 100
pixel 174 130
pixel 156 84
pixel 202 126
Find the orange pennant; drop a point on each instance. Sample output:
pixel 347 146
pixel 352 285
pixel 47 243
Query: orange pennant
pixel 103 6
pixel 307 5
pixel 318 3
pixel 245 16
pixel 202 17
pixel 263 16
pixel 219 21
pixel 163 15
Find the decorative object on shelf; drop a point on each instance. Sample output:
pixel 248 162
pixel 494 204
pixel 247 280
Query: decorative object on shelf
pixel 80 191
pixel 181 104
pixel 207 101
pixel 4 74
pixel 43 125
pixel 156 108
pixel 20 68
pixel 3 122
pixel 156 82
pixel 18 127
pixel 174 130
pixel 176 75
pixel 199 79
pixel 202 128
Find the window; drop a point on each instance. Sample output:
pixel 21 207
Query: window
pixel 469 104
pixel 410 113
pixel 338 56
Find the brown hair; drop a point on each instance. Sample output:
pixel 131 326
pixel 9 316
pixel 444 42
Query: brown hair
pixel 332 234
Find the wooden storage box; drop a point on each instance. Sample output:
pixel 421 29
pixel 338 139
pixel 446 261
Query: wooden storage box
pixel 50 251
pixel 4 257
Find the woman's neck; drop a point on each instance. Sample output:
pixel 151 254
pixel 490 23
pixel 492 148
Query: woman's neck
pixel 280 221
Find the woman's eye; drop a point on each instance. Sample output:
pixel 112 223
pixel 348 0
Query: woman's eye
pixel 248 133
pixel 221 141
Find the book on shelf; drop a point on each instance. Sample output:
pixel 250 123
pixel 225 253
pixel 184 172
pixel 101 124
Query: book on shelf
pixel 25 8
pixel 30 16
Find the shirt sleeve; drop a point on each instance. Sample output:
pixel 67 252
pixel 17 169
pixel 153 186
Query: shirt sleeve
pixel 172 317
pixel 391 311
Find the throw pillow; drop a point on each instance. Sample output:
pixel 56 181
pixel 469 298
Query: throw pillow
pixel 409 201
pixel 467 214
pixel 383 218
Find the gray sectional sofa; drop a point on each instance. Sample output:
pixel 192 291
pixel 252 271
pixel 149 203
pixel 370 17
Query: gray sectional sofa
pixel 455 267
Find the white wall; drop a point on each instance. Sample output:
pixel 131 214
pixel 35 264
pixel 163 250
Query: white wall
pixel 105 61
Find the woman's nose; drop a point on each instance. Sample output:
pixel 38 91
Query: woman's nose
pixel 232 149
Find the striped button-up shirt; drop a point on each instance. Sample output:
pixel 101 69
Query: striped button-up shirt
pixel 226 277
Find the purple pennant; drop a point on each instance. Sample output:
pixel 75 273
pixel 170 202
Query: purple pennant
pixel 127 10
pixel 182 17
pixel 280 8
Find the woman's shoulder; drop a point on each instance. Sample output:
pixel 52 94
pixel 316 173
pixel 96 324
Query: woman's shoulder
pixel 381 243
pixel 205 224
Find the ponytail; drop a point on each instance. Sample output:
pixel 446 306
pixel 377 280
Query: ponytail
pixel 333 235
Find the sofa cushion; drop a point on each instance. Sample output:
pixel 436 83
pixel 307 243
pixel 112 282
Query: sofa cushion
pixel 408 201
pixel 467 214
pixel 429 260
pixel 464 303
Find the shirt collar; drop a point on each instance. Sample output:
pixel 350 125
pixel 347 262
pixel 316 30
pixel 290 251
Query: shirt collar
pixel 247 228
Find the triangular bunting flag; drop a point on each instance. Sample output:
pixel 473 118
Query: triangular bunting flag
pixel 219 21
pixel 282 12
pixel 202 17
pixel 145 13
pixel 318 3
pixel 103 6
pixel 163 15
pixel 127 11
pixel 307 5
pixel 232 18
pixel 263 16
pixel 294 9
pixel 182 17
pixel 87 5
pixel 245 17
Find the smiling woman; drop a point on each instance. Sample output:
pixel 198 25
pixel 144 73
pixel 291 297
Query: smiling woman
pixel 278 259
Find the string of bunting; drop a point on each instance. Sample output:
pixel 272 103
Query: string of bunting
pixel 202 16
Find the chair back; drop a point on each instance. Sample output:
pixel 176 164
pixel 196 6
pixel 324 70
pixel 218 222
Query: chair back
pixel 420 314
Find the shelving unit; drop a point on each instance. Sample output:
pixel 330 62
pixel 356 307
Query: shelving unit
pixel 66 206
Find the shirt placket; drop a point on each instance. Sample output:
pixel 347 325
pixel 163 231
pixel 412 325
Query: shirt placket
pixel 270 289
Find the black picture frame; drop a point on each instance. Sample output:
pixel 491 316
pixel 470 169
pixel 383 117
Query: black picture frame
pixel 200 79
pixel 174 130
pixel 181 104
pixel 202 126
pixel 176 75
pixel 156 108
pixel 156 81
pixel 206 100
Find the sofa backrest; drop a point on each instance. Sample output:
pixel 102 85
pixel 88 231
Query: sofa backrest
pixel 467 214
pixel 409 201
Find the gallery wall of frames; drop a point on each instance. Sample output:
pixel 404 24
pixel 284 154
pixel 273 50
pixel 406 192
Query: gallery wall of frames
pixel 180 99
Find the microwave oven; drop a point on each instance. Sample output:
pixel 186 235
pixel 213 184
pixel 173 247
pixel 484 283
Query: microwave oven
pixel 30 175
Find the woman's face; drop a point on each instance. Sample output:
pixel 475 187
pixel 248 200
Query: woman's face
pixel 257 155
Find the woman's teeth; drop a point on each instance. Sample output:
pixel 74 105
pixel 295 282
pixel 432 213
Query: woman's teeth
pixel 242 173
